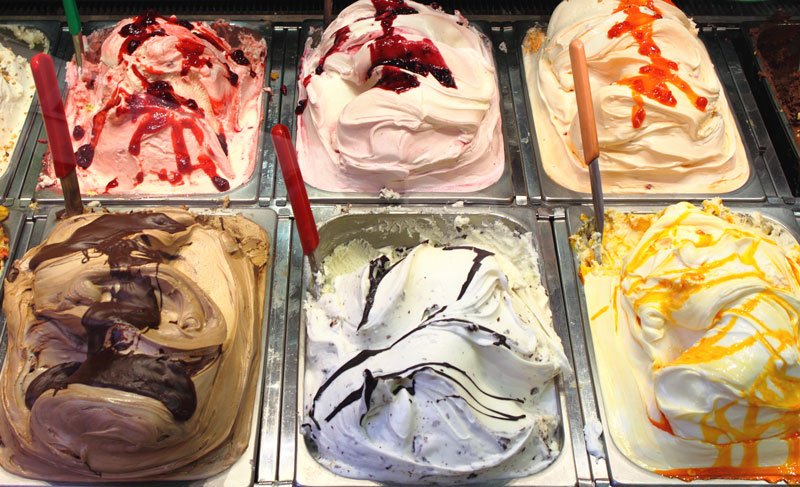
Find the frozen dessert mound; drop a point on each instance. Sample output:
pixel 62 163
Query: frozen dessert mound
pixel 404 348
pixel 133 347
pixel 694 316
pixel 664 123
pixel 34 38
pixel 165 106
pixel 16 91
pixel 402 96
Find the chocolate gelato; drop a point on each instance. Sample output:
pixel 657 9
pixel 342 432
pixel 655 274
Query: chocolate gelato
pixel 133 346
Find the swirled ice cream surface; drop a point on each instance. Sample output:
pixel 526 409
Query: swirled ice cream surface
pixel 433 363
pixel 663 122
pixel 402 96
pixel 133 347
pixel 694 319
pixel 16 89
pixel 165 106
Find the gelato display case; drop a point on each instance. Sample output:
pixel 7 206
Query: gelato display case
pixel 462 323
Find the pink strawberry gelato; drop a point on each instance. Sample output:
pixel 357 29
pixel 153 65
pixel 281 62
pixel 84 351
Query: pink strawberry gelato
pixel 165 106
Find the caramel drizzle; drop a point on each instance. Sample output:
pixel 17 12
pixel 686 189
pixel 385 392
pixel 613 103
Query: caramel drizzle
pixel 773 387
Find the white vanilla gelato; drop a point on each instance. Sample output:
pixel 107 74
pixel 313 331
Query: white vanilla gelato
pixel 433 363
pixel 695 315
pixel 663 122
pixel 16 94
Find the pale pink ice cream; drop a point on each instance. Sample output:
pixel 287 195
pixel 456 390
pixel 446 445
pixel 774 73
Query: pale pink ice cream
pixel 402 96
pixel 164 106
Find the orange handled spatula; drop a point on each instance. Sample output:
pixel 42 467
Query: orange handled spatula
pixel 591 149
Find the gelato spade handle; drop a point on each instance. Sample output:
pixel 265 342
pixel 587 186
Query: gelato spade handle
pixel 591 149
pixel 301 207
pixel 74 26
pixel 327 15
pixel 58 136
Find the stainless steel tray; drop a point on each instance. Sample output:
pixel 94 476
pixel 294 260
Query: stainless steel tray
pixel 336 229
pixel 510 184
pixel 243 471
pixel 759 186
pixel 244 194
pixel 14 227
pixel 11 180
pixel 617 468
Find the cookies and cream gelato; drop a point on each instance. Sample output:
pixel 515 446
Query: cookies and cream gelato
pixel 405 348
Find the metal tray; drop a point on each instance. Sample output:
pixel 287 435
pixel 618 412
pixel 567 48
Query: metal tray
pixel 757 188
pixel 617 468
pixel 14 227
pixel 243 471
pixel 779 130
pixel 511 182
pixel 11 180
pixel 336 229
pixel 246 193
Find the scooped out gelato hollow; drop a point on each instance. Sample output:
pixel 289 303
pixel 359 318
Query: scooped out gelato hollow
pixel 164 106
pixel 133 347
pixel 663 122
pixel 402 96
pixel 404 350
pixel 694 316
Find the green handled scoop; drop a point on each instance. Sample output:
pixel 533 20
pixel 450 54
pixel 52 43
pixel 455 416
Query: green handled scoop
pixel 74 25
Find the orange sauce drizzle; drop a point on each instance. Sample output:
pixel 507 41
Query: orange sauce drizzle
pixel 772 387
pixel 652 78
pixel 599 312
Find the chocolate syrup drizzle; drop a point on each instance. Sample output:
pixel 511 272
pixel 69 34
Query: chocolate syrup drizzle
pixel 378 270
pixel 112 326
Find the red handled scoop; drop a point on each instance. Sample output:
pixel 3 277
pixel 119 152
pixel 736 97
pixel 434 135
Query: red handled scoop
pixel 55 122
pixel 306 226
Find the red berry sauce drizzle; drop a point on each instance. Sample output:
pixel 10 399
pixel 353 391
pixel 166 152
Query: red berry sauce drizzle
pixel 394 52
pixel 158 107
pixel 652 78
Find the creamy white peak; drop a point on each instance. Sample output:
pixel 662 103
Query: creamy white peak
pixel 404 350
pixel 678 147
pixel 369 120
pixel 695 316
